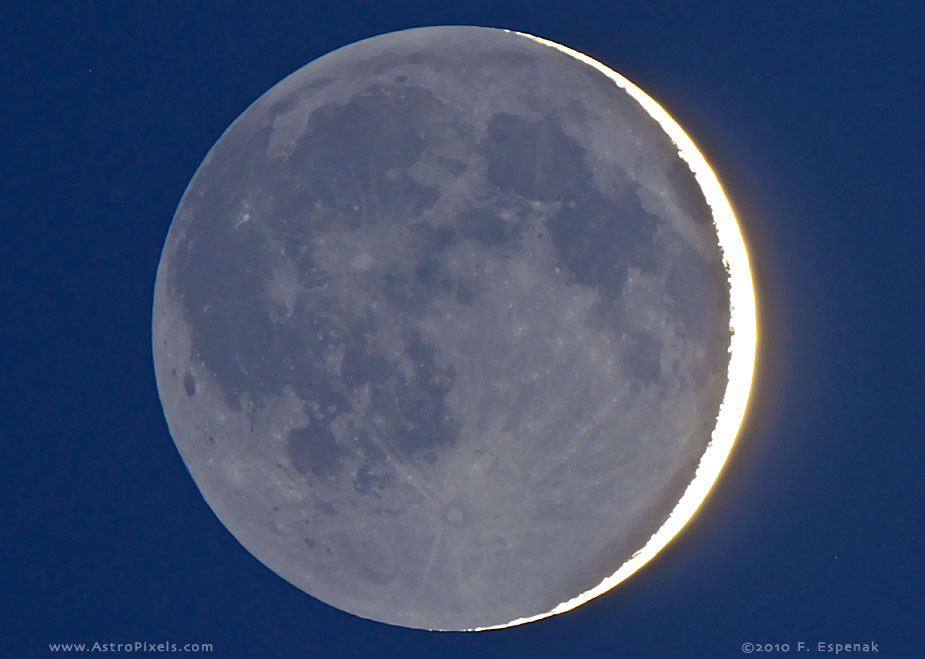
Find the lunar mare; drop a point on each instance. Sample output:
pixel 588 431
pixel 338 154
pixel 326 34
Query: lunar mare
pixel 453 329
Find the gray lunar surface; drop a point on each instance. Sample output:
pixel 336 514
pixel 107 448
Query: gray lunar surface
pixel 440 327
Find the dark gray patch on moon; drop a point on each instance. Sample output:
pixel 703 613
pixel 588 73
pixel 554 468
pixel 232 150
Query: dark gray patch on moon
pixel 452 324
pixel 189 384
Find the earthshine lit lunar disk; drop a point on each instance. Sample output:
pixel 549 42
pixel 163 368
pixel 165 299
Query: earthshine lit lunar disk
pixel 454 328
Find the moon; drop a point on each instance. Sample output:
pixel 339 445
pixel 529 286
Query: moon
pixel 453 328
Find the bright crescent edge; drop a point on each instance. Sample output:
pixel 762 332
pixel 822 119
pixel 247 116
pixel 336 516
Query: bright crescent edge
pixel 742 346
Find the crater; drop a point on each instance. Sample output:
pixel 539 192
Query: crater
pixel 455 515
pixel 189 384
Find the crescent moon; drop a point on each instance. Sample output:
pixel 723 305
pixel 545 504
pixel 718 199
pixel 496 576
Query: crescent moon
pixel 427 327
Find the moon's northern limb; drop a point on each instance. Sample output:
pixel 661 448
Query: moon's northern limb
pixel 443 352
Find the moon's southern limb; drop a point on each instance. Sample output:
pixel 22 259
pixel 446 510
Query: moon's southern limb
pixel 453 328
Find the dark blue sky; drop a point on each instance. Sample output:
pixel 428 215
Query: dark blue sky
pixel 810 114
